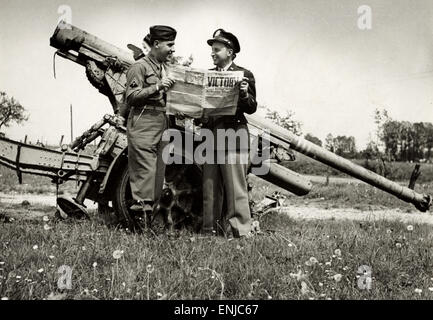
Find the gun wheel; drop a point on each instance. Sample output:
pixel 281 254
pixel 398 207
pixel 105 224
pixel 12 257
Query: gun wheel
pixel 180 205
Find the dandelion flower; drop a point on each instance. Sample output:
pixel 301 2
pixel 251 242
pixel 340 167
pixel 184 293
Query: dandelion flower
pixel 117 254
pixel 35 247
pixel 41 270
pixel 94 264
pixel 409 227
pixel 419 291
pixel 150 268
pixel 337 277
pixel 337 252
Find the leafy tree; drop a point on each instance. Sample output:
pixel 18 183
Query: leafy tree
pixel 329 142
pixel 313 139
pixel 10 111
pixel 287 122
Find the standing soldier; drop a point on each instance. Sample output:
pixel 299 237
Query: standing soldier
pixel 145 96
pixel 229 179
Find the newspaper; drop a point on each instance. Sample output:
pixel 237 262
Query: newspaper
pixel 199 92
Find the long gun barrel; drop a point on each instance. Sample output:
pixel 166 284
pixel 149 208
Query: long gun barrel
pixel 421 201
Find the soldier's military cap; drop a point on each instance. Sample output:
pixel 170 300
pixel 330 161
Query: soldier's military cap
pixel 227 38
pixel 164 33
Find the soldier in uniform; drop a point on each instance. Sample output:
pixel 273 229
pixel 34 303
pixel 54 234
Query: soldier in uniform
pixel 146 99
pixel 229 180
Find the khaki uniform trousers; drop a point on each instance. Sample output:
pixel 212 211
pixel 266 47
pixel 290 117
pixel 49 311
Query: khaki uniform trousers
pixel 146 166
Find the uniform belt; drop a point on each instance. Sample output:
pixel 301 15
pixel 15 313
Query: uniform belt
pixel 150 107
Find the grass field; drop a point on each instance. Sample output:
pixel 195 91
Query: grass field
pixel 289 260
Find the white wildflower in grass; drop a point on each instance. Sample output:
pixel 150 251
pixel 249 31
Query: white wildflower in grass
pixel 18 277
pixel 158 294
pixel 313 260
pixel 41 270
pixel 409 227
pixel 327 263
pixel 150 268
pixel 388 231
pixel 320 284
pixel 128 290
pixel 117 254
pixel 2 263
pixel 337 252
pixel 83 248
pixel 337 277
pixel 51 257
pixel 94 264
pixel 46 227
pixel 124 284
pixel 46 219
pixel 95 290
pixel 398 245
pixel 5 298
pixel 430 289
pixel 419 291
pixel 35 247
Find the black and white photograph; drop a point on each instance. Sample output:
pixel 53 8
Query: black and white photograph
pixel 220 156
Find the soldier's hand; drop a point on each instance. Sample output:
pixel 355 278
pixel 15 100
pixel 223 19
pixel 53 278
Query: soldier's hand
pixel 244 87
pixel 166 83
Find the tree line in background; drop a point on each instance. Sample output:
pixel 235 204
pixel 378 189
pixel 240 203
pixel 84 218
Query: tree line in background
pixel 393 140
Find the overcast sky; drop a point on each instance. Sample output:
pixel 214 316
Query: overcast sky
pixel 309 57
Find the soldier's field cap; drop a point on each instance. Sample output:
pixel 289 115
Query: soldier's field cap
pixel 164 33
pixel 227 38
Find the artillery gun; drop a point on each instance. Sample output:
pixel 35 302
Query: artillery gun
pixel 104 175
